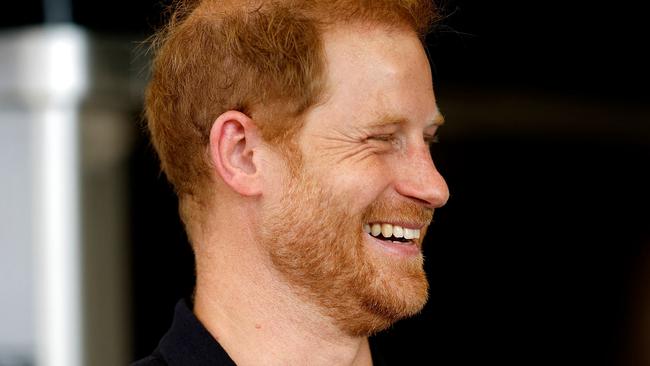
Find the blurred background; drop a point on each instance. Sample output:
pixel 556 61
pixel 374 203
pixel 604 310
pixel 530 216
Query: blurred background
pixel 542 255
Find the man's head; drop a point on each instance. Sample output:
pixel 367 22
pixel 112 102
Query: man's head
pixel 262 58
pixel 314 116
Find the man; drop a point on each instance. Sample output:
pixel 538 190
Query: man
pixel 296 135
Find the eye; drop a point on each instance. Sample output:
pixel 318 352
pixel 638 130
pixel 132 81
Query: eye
pixel 385 142
pixel 384 138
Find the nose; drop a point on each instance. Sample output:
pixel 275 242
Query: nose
pixel 419 179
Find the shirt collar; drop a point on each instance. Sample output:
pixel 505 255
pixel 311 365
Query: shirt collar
pixel 188 342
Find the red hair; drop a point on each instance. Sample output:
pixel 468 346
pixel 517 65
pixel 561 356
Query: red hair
pixel 263 58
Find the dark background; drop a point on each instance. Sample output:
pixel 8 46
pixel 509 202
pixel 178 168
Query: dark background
pixel 542 255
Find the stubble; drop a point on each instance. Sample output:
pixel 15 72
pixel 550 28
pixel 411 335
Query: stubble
pixel 319 248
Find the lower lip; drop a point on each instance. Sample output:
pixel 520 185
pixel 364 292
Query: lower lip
pixel 400 249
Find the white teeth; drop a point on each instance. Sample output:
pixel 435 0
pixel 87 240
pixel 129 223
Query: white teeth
pixel 376 229
pixel 387 230
pixel 398 231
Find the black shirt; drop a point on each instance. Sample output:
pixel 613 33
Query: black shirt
pixel 188 343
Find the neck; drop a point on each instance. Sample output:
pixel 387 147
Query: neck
pixel 257 318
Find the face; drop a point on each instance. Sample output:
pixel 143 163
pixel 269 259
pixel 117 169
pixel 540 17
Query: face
pixel 345 228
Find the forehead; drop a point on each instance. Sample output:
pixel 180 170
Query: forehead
pixel 373 72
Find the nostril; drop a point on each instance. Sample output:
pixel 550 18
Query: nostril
pixel 425 203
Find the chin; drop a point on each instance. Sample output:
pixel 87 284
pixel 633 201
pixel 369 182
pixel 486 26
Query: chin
pixel 379 313
pixel 393 291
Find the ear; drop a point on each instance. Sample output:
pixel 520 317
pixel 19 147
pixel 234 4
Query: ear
pixel 233 141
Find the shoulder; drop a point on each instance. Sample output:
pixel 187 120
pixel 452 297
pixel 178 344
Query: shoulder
pixel 150 361
pixel 187 342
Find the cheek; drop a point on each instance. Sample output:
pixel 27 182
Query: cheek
pixel 361 185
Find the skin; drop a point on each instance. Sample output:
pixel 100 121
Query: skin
pixel 283 266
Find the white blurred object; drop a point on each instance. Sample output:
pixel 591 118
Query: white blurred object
pixel 65 132
pixel 45 69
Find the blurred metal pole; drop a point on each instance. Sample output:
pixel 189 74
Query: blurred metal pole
pixel 74 94
pixel 54 78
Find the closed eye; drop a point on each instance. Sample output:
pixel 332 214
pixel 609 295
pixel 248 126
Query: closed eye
pixel 384 142
pixel 386 138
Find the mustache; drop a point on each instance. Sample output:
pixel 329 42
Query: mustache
pixel 399 212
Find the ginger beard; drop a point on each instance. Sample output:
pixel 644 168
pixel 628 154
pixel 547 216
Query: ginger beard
pixel 319 248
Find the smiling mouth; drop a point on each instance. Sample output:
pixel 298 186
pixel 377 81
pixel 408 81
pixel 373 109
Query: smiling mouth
pixel 392 233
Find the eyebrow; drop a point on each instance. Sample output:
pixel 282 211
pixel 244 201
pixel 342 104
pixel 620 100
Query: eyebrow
pixel 387 120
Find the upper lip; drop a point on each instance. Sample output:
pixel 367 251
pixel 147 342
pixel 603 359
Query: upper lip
pixel 406 225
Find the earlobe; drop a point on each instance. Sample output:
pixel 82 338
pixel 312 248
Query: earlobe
pixel 233 139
